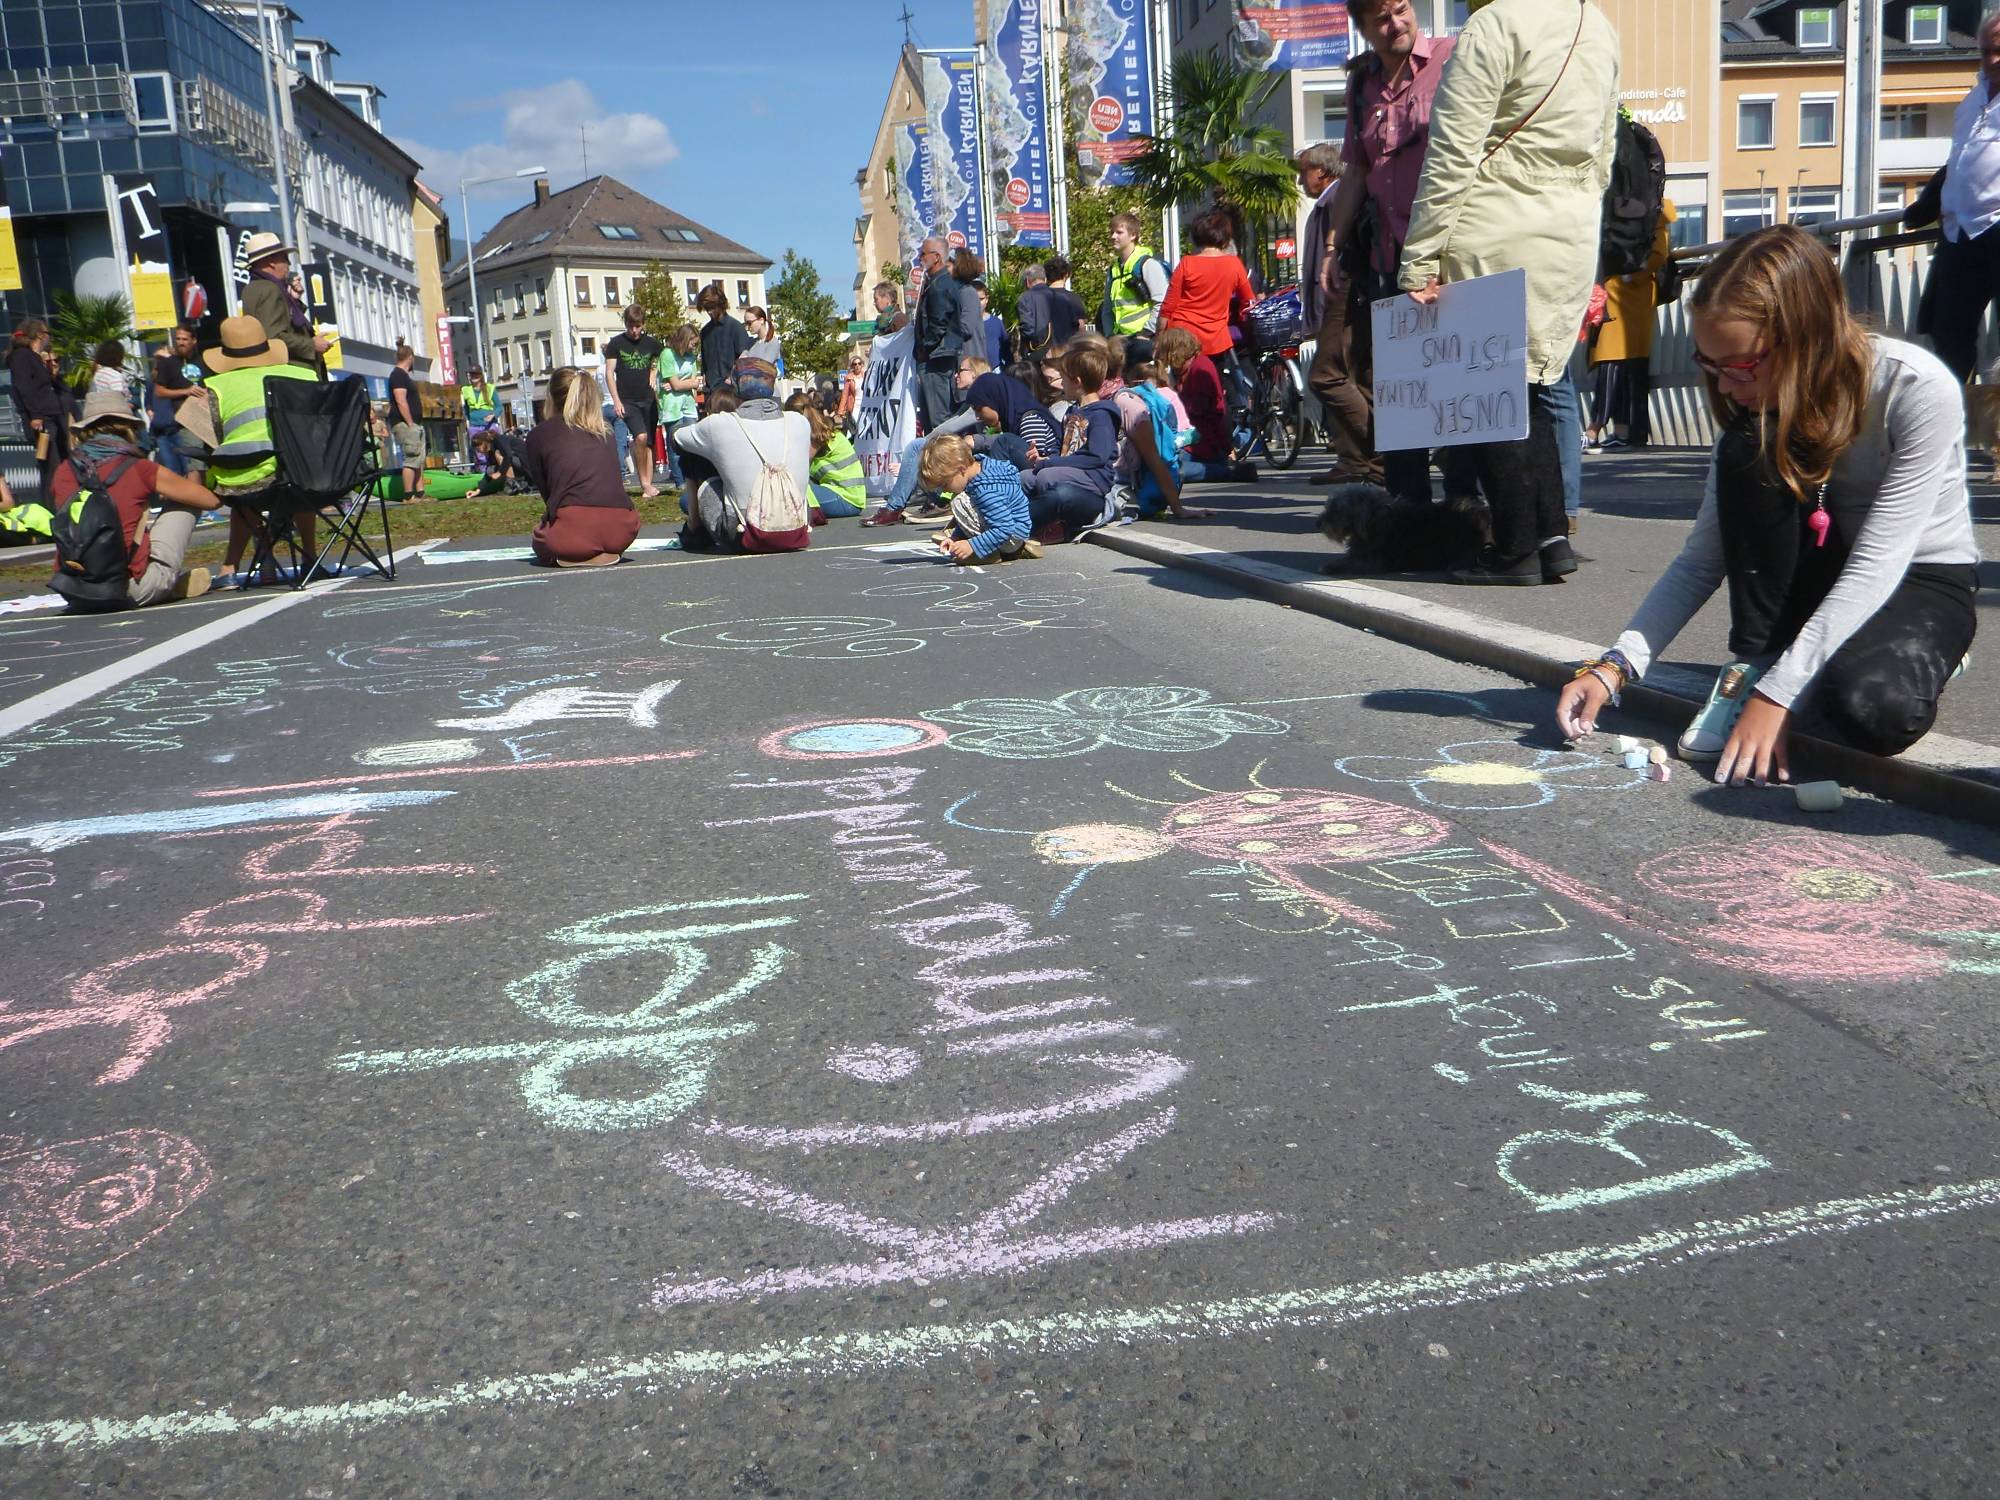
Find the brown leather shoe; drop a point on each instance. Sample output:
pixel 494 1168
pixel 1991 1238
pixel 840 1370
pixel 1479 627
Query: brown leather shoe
pixel 1341 474
pixel 885 517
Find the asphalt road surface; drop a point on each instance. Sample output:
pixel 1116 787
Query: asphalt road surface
pixel 843 1025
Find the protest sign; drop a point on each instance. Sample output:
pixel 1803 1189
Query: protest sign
pixel 1456 371
pixel 885 418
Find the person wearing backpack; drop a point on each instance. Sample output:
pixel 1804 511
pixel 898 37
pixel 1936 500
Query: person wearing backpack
pixel 1621 355
pixel 106 555
pixel 588 520
pixel 748 471
pixel 1151 424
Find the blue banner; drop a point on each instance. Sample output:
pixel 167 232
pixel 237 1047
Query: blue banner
pixel 913 200
pixel 1278 35
pixel 951 102
pixel 1111 65
pixel 1017 125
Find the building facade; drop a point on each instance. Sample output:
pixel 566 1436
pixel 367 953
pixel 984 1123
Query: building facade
pixel 878 230
pixel 555 274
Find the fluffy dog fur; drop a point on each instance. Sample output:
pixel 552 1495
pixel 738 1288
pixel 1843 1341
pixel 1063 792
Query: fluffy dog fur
pixel 1386 534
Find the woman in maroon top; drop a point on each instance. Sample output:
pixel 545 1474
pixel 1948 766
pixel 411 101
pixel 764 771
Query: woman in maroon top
pixel 587 519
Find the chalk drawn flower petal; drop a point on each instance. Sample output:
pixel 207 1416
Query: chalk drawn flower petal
pixel 1127 701
pixel 1000 712
pixel 1029 742
pixel 1392 769
pixel 1188 729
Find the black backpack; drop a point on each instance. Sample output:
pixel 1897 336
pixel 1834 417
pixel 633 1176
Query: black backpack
pixel 1632 200
pixel 93 564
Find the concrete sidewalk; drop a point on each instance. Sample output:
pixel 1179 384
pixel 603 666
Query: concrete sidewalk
pixel 1637 508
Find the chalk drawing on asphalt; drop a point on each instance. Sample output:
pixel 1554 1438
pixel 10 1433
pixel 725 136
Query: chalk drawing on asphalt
pixel 75 1207
pixel 851 739
pixel 420 753
pixel 565 705
pixel 1493 775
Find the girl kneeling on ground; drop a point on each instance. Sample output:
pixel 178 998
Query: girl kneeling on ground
pixel 587 518
pixel 1836 511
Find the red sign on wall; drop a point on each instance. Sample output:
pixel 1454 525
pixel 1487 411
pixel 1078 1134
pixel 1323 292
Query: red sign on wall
pixel 1285 247
pixel 447 364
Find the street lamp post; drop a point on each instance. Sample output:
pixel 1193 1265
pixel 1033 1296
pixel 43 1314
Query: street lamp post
pixel 471 250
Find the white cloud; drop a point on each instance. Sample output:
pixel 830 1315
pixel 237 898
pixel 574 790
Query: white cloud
pixel 546 127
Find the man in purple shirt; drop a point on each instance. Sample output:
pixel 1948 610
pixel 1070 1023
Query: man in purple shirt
pixel 1389 97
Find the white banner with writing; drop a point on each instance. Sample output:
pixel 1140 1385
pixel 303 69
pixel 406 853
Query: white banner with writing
pixel 1456 371
pixel 885 418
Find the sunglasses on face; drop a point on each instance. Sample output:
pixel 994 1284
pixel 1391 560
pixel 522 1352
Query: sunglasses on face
pixel 1739 371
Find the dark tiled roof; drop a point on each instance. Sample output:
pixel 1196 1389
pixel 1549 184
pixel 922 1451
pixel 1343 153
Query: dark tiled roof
pixel 568 222
pixel 1761 30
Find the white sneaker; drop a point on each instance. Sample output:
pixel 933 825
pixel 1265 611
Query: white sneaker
pixel 1704 738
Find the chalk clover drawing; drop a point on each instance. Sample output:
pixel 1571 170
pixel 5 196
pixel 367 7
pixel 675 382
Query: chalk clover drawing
pixel 1130 718
pixel 1493 775
pixel 75 1207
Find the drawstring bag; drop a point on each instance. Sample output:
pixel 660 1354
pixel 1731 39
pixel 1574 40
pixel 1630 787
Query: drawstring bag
pixel 775 517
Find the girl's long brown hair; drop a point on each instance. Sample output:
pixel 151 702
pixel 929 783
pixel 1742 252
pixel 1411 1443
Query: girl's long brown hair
pixel 1783 280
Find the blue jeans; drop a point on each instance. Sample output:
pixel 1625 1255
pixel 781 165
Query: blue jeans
pixel 831 504
pixel 906 476
pixel 1559 400
pixel 673 453
pixel 1205 471
pixel 1059 496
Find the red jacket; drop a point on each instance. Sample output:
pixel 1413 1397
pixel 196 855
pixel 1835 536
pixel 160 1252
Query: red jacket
pixel 1204 290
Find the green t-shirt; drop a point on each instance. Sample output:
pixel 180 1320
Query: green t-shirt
pixel 676 406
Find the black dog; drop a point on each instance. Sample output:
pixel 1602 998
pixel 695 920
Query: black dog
pixel 1384 533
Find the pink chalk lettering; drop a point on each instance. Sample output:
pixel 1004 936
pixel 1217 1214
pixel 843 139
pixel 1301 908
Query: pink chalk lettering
pixel 994 1244
pixel 1139 1075
pixel 141 1013
pixel 336 840
pixel 311 906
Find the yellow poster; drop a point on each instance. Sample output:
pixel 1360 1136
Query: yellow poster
pixel 333 358
pixel 10 257
pixel 152 300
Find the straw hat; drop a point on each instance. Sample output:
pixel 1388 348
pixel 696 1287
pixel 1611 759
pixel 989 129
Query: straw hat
pixel 244 345
pixel 262 246
pixel 106 406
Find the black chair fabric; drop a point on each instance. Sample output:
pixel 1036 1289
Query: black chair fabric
pixel 321 433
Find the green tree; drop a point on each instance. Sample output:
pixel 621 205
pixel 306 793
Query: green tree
pixel 79 324
pixel 1089 223
pixel 656 295
pixel 1216 151
pixel 807 319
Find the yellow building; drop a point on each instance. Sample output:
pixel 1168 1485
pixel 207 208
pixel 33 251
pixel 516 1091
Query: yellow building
pixel 432 232
pixel 878 229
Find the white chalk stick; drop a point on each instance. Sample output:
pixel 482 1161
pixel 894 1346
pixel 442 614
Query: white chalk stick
pixel 1625 743
pixel 1818 796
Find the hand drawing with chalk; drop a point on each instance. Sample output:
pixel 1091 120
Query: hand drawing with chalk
pixel 1268 834
pixel 1804 906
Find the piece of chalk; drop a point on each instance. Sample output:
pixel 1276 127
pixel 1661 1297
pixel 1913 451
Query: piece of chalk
pixel 1818 796
pixel 1635 760
pixel 1657 755
pixel 1660 771
pixel 1625 743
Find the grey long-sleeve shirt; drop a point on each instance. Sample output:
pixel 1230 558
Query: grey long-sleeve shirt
pixel 1910 458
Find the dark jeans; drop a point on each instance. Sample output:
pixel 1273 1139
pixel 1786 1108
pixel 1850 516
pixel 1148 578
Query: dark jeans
pixel 937 389
pixel 1405 472
pixel 1965 279
pixel 1056 495
pixel 1522 482
pixel 1880 690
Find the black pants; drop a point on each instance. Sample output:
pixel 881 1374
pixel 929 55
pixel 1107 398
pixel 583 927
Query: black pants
pixel 1405 471
pixel 1965 279
pixel 937 389
pixel 1879 692
pixel 1522 482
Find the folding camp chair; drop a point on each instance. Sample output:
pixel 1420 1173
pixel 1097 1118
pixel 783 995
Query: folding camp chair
pixel 328 466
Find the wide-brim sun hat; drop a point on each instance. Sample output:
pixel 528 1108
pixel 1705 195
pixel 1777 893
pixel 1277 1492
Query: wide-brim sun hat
pixel 106 406
pixel 263 246
pixel 244 346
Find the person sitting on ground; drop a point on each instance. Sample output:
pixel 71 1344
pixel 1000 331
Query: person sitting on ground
pixel 838 486
pixel 1016 427
pixel 1153 429
pixel 588 520
pixel 1193 376
pixel 748 469
pixel 22 525
pixel 106 457
pixel 1070 493
pixel 1836 511
pixel 989 512
pixel 1047 383
pixel 504 457
pixel 107 369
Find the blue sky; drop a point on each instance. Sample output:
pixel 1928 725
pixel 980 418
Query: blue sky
pixel 749 117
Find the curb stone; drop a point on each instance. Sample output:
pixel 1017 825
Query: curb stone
pixel 1942 774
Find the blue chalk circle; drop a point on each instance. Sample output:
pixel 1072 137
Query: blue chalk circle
pixel 855 739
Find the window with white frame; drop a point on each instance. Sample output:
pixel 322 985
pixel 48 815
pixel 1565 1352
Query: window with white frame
pixel 1906 122
pixel 541 294
pixel 520 300
pixel 588 345
pixel 153 98
pixel 548 353
pixel 1818 119
pixel 1815 26
pixel 693 284
pixel 582 291
pixel 521 350
pixel 506 361
pixel 1756 122
pixel 611 291
pixel 1814 205
pixel 1926 28
pixel 742 294
pixel 1747 209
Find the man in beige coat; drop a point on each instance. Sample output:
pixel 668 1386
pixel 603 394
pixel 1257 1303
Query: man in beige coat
pixel 1522 136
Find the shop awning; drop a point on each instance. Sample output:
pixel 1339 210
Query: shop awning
pixel 1923 96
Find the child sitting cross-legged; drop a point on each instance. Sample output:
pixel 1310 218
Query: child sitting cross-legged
pixel 989 512
pixel 838 486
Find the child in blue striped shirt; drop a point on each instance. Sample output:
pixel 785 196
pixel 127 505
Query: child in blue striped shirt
pixel 989 512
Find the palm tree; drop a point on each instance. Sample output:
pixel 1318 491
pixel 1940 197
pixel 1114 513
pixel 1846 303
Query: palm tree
pixel 1216 150
pixel 80 323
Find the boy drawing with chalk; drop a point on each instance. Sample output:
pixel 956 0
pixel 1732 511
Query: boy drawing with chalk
pixel 989 512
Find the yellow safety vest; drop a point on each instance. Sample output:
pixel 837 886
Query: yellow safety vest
pixel 243 454
pixel 1131 306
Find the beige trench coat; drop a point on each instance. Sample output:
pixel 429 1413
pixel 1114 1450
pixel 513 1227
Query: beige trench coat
pixel 1537 203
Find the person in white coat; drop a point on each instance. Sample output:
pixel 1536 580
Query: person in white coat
pixel 1522 136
